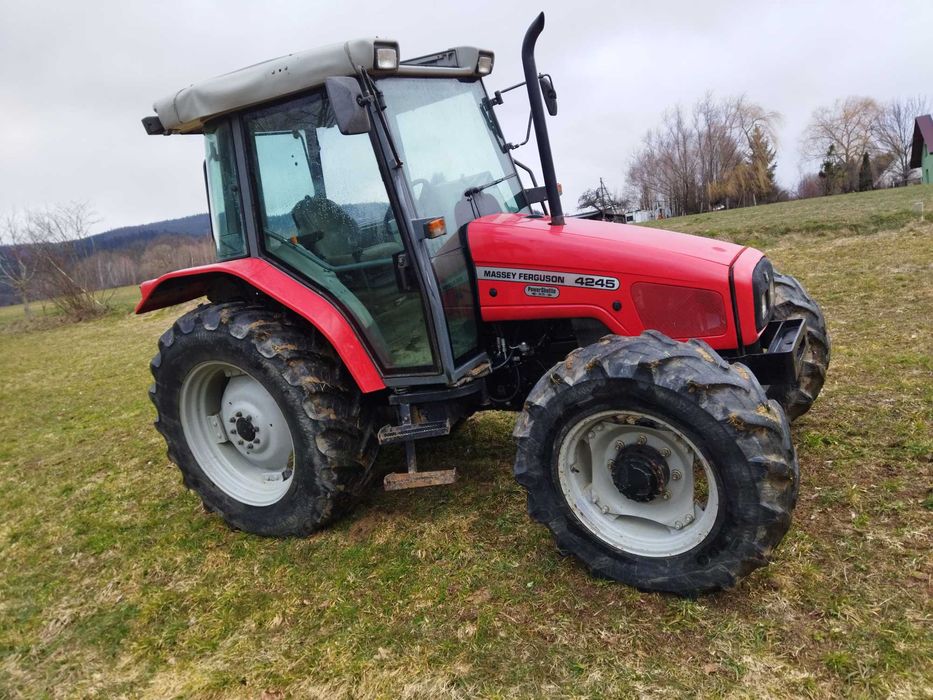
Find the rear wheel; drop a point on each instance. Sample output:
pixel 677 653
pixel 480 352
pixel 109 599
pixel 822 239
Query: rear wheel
pixel 791 301
pixel 657 464
pixel 261 418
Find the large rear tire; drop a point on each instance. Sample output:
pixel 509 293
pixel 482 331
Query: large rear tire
pixel 792 301
pixel 658 464
pixel 262 419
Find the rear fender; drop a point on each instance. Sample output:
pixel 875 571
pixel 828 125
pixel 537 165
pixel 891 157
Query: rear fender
pixel 184 285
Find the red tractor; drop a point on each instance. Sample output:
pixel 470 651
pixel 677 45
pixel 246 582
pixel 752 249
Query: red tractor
pixel 383 273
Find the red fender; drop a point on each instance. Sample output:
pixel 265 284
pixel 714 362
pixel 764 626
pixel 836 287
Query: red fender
pixel 184 285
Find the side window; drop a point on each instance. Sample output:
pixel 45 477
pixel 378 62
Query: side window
pixel 223 193
pixel 325 213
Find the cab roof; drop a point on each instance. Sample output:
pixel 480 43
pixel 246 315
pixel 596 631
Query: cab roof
pixel 187 110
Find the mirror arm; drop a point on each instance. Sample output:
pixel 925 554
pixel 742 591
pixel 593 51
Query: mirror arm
pixel 506 147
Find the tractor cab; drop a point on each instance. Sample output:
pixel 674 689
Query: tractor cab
pixel 358 178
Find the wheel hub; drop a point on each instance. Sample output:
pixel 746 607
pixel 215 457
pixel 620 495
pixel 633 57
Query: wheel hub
pixel 640 473
pixel 245 428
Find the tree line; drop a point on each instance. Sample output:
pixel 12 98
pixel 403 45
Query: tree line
pixel 721 153
pixel 49 255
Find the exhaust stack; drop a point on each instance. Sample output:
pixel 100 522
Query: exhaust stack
pixel 538 118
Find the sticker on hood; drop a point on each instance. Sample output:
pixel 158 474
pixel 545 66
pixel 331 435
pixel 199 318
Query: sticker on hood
pixel 545 277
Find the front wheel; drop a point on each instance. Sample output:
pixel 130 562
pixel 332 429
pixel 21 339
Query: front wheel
pixel 658 464
pixel 791 301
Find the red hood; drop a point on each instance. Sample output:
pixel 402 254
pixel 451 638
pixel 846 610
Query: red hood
pixel 596 246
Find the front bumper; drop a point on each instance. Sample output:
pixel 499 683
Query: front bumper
pixel 784 345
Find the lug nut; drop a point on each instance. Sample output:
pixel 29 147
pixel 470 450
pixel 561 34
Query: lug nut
pixel 239 442
pixel 605 510
pixel 676 475
pixel 665 452
pixel 590 435
pixel 256 441
pixel 666 495
pixel 619 444
pixel 233 432
pixel 239 414
pixel 249 446
pixel 642 439
pixel 232 419
pixel 678 525
pixel 688 519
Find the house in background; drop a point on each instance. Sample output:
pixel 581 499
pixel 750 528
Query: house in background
pixel 921 151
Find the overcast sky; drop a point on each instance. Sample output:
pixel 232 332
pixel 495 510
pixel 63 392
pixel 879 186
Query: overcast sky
pixel 76 77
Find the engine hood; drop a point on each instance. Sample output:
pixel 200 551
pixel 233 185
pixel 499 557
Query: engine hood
pixel 597 247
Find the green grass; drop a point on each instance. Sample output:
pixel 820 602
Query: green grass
pixel 115 582
pixel 857 213
pixel 45 314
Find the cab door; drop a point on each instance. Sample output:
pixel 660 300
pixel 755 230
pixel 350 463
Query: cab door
pixel 325 215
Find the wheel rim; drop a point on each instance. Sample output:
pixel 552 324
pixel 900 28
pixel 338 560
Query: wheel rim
pixel 237 433
pixel 674 521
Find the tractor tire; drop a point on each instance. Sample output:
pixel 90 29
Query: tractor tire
pixel 618 442
pixel 262 418
pixel 792 301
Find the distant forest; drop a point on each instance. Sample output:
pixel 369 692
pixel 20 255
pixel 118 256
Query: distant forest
pixel 131 254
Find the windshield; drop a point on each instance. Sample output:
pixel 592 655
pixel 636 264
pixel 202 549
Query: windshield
pixel 447 145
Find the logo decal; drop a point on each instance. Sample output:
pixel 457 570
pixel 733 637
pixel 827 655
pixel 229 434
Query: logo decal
pixel 561 279
pixel 548 292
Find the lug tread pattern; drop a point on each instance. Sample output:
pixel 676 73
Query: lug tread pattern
pixel 792 301
pixel 729 394
pixel 338 417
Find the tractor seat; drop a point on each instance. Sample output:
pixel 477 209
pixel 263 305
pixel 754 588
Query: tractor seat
pixel 327 230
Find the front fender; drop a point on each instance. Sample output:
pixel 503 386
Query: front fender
pixel 184 285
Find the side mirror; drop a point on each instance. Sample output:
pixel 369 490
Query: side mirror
pixel 548 93
pixel 346 99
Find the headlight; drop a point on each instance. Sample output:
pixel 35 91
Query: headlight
pixel 484 63
pixel 763 290
pixel 680 312
pixel 386 56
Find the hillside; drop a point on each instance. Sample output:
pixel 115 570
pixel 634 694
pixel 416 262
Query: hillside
pixel 857 213
pixel 114 581
pixel 132 243
pixel 197 225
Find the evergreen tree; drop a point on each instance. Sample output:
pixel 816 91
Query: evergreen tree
pixel 865 179
pixel 761 166
pixel 830 173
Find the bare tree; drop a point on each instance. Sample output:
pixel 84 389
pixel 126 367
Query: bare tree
pixel 608 204
pixel 894 131
pixel 841 135
pixel 18 260
pixel 57 235
pixel 695 163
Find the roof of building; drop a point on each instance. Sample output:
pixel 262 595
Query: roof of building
pixel 923 134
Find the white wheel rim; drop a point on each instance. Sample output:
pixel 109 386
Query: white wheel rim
pixel 663 527
pixel 237 433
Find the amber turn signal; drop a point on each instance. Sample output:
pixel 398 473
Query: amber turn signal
pixel 435 228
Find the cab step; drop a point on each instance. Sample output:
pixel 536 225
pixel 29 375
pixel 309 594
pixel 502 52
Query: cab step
pixel 406 432
pixel 396 481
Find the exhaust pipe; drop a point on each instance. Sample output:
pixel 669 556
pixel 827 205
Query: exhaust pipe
pixel 537 117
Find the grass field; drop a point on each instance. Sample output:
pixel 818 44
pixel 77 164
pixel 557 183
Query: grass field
pixel 114 582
